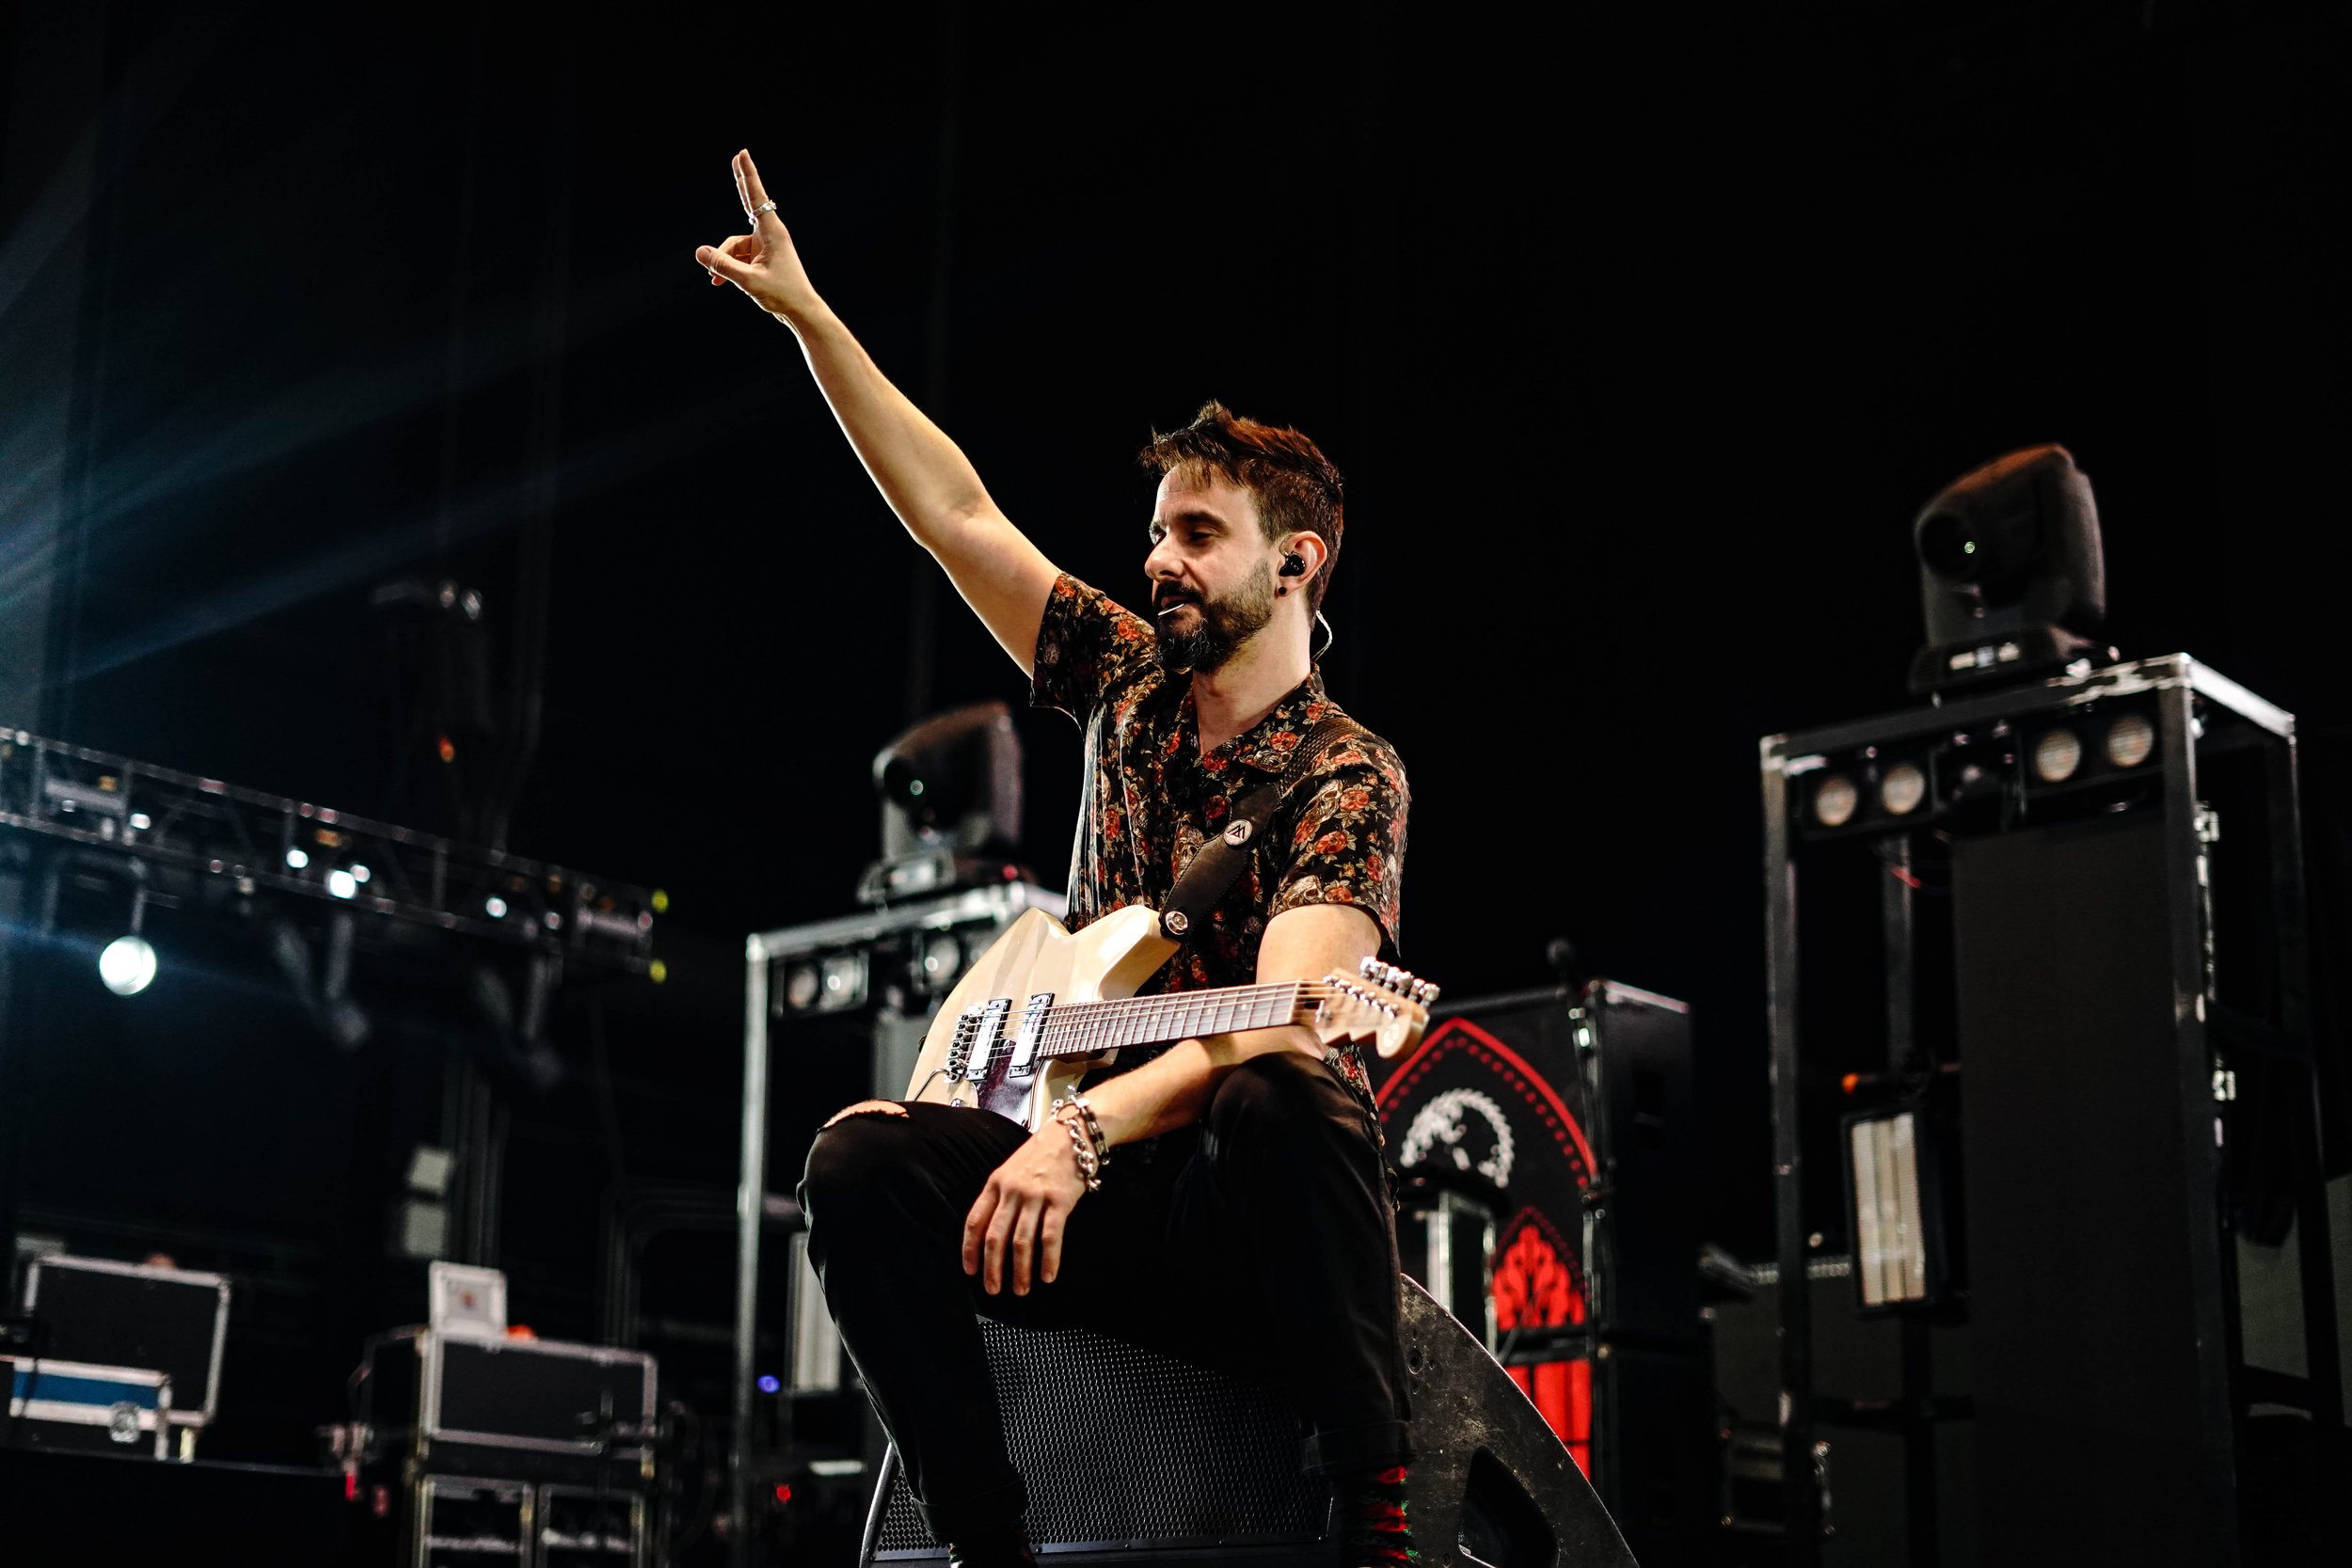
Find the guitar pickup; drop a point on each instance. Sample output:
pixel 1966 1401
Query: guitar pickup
pixel 1024 1064
pixel 990 1031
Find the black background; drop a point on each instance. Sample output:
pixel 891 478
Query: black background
pixel 1641 333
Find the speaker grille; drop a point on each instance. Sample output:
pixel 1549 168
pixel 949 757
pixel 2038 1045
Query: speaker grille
pixel 1122 1445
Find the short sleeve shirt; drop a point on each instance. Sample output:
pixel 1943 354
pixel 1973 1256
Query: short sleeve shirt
pixel 1338 837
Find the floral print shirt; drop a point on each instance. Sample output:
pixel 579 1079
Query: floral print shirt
pixel 1338 837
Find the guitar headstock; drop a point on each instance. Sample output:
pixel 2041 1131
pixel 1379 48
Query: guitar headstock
pixel 1381 1003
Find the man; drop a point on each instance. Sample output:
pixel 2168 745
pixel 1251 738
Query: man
pixel 1242 1214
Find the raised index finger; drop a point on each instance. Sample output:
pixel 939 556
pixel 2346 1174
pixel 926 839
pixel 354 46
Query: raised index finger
pixel 747 184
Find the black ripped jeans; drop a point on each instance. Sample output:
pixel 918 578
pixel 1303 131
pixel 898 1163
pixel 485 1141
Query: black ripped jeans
pixel 1262 1240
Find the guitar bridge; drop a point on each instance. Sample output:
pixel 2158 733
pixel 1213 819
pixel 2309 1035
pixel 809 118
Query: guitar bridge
pixel 959 1045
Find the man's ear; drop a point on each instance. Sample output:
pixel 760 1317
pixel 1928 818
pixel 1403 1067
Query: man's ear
pixel 1309 547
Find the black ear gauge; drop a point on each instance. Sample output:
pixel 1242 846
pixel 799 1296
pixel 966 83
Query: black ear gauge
pixel 1294 564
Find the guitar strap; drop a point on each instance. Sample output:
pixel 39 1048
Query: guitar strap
pixel 1216 864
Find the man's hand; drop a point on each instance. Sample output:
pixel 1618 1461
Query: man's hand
pixel 1021 1212
pixel 762 263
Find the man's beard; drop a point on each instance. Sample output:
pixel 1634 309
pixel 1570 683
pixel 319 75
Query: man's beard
pixel 1221 628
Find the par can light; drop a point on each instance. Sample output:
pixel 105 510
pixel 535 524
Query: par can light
pixel 1901 790
pixel 942 961
pixel 127 965
pixel 1835 800
pixel 2131 740
pixel 2056 755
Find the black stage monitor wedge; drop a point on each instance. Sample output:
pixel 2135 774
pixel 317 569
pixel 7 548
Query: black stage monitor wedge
pixel 1134 1458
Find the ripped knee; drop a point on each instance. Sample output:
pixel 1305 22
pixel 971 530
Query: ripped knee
pixel 865 1108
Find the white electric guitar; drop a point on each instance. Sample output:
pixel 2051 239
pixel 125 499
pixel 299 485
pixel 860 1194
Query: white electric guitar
pixel 1041 1007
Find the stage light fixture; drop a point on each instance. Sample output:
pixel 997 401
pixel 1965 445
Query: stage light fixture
pixel 1901 789
pixel 951 804
pixel 1893 1203
pixel 2131 740
pixel 127 965
pixel 2011 576
pixel 800 985
pixel 2057 754
pixel 341 883
pixel 844 979
pixel 297 858
pixel 494 907
pixel 943 959
pixel 1835 800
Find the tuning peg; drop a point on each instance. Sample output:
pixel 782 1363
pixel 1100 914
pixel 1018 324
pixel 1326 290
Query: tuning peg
pixel 1428 993
pixel 1368 968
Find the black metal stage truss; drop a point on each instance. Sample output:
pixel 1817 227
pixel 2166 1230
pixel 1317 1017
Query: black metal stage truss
pixel 252 844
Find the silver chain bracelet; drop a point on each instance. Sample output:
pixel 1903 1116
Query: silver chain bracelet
pixel 1078 1102
pixel 1081 1148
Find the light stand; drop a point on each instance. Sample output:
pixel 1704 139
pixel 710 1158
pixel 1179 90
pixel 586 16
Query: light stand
pixel 2104 1017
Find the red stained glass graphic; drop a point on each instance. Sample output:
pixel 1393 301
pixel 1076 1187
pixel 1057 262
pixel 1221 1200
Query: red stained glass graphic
pixel 1536 1286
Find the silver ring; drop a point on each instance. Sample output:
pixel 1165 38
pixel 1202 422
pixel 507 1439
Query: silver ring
pixel 763 207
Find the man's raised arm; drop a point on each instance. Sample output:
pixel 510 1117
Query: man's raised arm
pixel 922 474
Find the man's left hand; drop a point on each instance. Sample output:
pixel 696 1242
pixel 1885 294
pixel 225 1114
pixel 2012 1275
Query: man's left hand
pixel 1021 1212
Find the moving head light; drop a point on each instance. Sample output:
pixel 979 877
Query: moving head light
pixel 2010 573
pixel 950 788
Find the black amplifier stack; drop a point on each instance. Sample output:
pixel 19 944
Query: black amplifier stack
pixel 478 1444
pixel 1547 1143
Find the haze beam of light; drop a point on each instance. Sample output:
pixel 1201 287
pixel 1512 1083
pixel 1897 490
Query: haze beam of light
pixel 152 85
pixel 332 403
pixel 370 558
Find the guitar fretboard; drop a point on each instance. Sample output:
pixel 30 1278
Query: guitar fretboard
pixel 1084 1028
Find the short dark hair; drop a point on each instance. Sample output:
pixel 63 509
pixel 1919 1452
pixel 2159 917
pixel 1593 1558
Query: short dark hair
pixel 1297 488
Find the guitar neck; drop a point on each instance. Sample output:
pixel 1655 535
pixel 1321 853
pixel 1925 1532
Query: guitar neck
pixel 1087 1028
